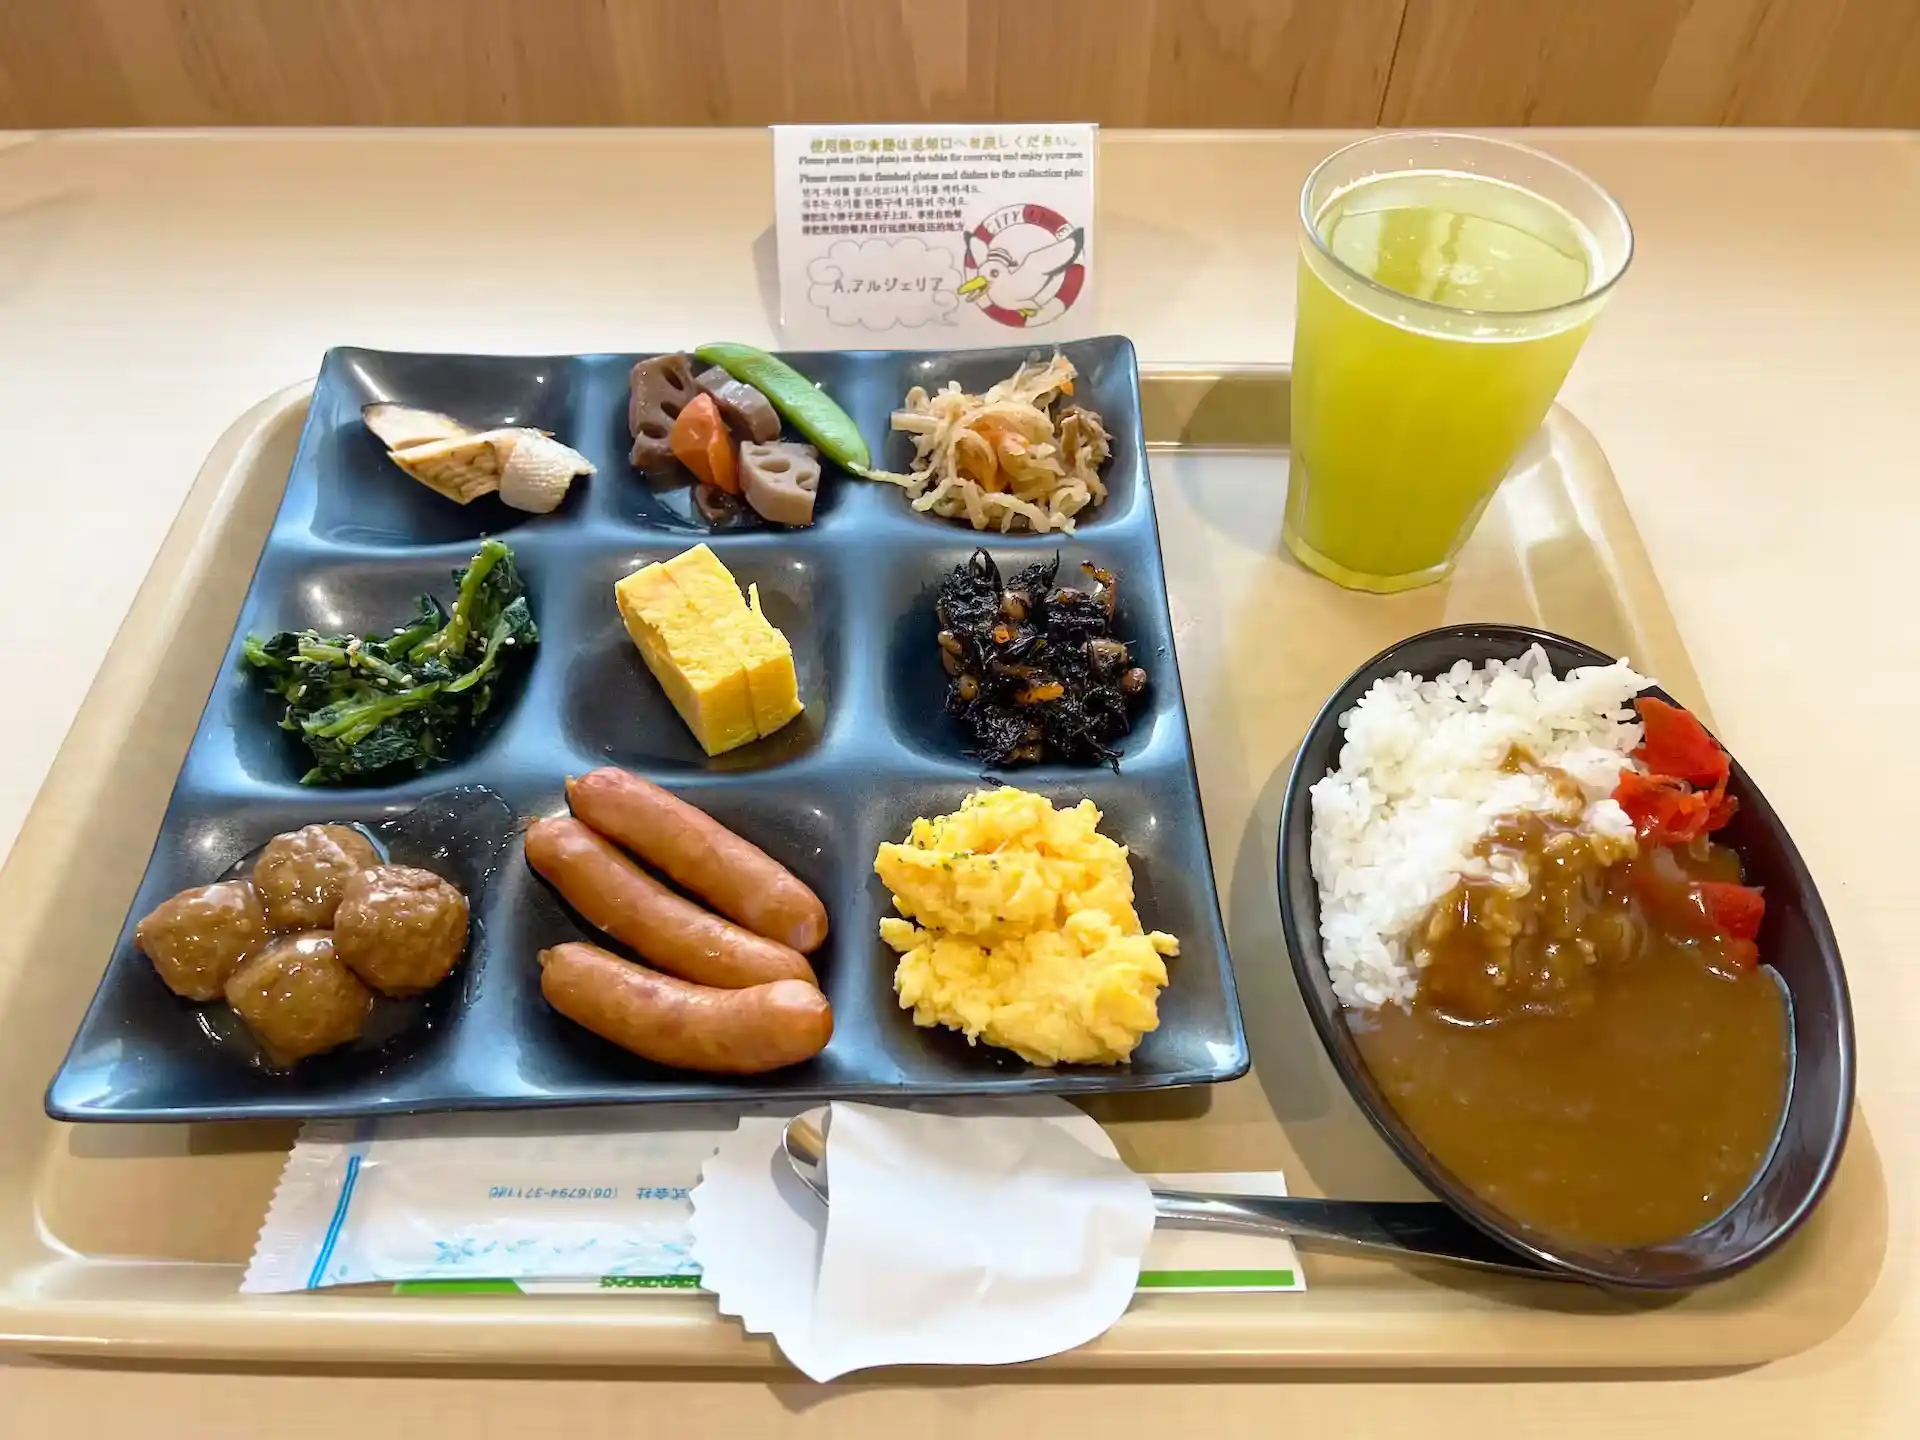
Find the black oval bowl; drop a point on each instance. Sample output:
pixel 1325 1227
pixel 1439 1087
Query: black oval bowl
pixel 1796 942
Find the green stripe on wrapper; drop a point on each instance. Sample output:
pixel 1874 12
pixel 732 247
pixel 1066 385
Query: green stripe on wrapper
pixel 1149 1280
pixel 512 1287
pixel 1215 1280
pixel 455 1287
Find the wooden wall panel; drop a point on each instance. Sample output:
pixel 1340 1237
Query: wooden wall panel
pixel 692 62
pixel 1121 62
pixel 1660 62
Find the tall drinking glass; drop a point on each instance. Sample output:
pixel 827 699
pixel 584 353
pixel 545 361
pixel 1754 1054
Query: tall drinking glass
pixel 1446 283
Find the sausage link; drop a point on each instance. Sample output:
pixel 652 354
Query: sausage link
pixel 617 896
pixel 690 1027
pixel 694 850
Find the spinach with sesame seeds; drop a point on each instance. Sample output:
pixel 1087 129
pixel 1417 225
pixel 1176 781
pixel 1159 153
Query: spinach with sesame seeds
pixel 371 708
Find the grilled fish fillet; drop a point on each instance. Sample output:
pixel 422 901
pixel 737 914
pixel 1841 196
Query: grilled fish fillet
pixel 401 426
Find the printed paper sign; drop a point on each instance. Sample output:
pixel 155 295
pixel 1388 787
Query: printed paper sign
pixel 934 236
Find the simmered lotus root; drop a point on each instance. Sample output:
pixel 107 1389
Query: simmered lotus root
pixel 301 874
pixel 781 480
pixel 198 938
pixel 400 929
pixel 298 998
pixel 746 410
pixel 658 390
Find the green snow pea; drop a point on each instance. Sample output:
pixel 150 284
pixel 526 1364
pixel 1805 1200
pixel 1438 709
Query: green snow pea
pixel 807 408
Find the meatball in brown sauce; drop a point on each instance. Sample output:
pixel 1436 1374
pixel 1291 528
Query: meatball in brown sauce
pixel 298 999
pixel 294 949
pixel 400 929
pixel 198 938
pixel 301 874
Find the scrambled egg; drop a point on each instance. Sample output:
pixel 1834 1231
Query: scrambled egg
pixel 1020 930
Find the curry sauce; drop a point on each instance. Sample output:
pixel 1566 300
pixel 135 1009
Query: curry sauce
pixel 1588 1051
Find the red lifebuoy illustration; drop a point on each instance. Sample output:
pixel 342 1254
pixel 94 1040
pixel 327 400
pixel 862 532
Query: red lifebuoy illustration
pixel 1025 265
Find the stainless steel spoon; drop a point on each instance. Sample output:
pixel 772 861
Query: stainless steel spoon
pixel 1419 1229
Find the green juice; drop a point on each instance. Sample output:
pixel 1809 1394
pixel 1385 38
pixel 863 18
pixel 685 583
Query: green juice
pixel 1408 412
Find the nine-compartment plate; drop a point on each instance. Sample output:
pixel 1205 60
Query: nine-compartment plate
pixel 355 540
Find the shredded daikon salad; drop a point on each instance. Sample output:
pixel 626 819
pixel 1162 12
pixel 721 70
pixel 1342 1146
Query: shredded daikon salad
pixel 1019 457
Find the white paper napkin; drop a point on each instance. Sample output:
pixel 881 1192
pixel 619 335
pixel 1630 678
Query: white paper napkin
pixel 756 1233
pixel 956 1237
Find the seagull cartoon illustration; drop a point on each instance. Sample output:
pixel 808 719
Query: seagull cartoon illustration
pixel 1021 270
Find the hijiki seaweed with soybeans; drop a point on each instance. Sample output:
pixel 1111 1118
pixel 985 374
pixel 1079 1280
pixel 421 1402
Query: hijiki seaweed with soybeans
pixel 1036 672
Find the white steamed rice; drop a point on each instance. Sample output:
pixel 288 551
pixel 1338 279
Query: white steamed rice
pixel 1419 784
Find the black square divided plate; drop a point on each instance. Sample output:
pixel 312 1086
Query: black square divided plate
pixel 355 540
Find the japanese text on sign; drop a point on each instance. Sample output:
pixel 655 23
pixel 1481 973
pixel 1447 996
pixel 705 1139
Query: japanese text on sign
pixel 961 232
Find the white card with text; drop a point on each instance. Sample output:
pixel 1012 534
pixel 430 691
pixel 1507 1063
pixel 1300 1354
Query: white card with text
pixel 920 237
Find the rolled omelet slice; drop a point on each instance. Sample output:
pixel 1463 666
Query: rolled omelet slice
pixel 698 670
pixel 728 672
pixel 763 652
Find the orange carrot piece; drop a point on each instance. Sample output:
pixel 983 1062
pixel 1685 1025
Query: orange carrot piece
pixel 699 441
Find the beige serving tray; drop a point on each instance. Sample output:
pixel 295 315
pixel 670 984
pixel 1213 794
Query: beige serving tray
pixel 129 1240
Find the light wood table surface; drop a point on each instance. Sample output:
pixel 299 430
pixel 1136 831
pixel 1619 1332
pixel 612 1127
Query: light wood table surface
pixel 1756 383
